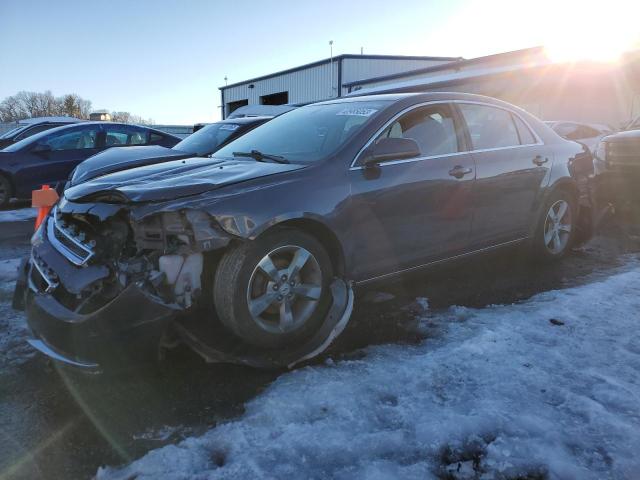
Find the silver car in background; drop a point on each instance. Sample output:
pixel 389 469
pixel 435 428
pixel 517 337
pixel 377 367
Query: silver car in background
pixel 588 134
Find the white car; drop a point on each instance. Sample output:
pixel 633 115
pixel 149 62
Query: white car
pixel 588 134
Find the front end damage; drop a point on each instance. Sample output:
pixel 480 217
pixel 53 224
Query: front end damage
pixel 106 285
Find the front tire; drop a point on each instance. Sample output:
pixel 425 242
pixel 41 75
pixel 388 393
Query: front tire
pixel 557 226
pixel 274 291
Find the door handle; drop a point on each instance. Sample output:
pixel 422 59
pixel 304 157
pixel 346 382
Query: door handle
pixel 540 160
pixel 459 171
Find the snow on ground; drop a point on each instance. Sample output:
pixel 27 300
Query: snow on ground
pixel 495 393
pixel 14 349
pixel 9 269
pixel 20 215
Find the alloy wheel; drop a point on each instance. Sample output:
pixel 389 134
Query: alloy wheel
pixel 284 289
pixel 557 227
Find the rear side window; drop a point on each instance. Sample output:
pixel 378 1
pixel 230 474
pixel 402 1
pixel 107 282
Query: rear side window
pixel 155 138
pixel 524 132
pixel 489 127
pixel 124 135
pixel 431 127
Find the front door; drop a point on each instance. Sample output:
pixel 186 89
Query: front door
pixel 413 211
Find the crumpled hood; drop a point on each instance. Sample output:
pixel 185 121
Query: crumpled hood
pixel 123 158
pixel 175 179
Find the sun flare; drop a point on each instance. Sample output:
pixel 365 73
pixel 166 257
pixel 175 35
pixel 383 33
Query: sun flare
pixel 593 33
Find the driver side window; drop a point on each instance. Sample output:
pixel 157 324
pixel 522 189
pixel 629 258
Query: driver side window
pixel 76 139
pixel 432 128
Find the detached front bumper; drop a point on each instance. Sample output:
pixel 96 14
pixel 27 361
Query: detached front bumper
pixel 126 330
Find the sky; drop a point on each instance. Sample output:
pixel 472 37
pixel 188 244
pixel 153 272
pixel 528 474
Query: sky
pixel 165 59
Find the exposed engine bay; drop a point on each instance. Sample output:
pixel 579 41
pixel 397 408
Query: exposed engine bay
pixel 87 257
pixel 162 253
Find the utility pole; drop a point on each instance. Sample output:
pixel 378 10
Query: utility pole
pixel 331 69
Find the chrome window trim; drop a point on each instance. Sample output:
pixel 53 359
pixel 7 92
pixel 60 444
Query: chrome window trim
pixel 353 165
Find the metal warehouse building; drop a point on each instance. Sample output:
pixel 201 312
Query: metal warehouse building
pixel 320 80
pixel 579 91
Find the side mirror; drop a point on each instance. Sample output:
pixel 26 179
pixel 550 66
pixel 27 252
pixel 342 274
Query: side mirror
pixel 387 149
pixel 41 148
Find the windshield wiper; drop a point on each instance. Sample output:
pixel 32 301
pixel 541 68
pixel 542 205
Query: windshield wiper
pixel 258 156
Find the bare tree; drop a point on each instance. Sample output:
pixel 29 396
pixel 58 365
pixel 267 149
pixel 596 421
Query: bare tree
pixel 32 104
pixel 73 105
pixel 126 117
pixel 11 110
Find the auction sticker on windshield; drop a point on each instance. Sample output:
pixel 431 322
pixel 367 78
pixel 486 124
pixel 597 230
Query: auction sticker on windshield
pixel 357 111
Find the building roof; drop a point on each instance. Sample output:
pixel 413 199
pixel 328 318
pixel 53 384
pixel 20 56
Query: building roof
pixel 338 58
pixel 461 63
pixel 486 67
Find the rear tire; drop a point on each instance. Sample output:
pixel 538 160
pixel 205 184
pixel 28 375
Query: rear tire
pixel 274 291
pixel 6 191
pixel 556 229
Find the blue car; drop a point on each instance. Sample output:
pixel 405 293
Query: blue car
pixel 50 156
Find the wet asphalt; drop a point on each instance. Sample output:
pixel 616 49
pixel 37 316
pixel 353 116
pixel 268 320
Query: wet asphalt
pixel 58 424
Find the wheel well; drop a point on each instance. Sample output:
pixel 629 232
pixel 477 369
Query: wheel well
pixel 323 234
pixel 584 222
pixel 10 180
pixel 567 187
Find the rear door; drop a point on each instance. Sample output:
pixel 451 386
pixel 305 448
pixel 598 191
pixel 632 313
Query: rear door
pixel 412 211
pixel 512 166
pixel 69 147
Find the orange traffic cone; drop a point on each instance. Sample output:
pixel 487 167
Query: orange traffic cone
pixel 43 200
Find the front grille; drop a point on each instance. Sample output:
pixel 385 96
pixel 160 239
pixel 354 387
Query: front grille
pixel 41 276
pixel 68 241
pixel 624 152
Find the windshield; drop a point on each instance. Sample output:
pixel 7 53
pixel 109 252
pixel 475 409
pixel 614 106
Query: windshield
pixel 32 139
pixel 306 134
pixel 11 133
pixel 207 139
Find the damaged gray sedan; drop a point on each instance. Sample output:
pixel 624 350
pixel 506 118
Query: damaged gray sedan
pixel 250 256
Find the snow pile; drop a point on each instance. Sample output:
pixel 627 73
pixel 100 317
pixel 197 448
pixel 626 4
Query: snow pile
pixel 500 392
pixel 21 215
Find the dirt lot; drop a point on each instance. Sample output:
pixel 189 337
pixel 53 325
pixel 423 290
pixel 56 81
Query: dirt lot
pixel 57 425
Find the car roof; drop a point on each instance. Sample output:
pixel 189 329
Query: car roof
pixel 61 128
pixel 419 97
pixel 59 119
pixel 246 120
